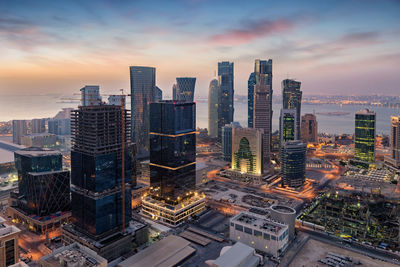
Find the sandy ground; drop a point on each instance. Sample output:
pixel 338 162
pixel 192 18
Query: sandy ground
pixel 315 250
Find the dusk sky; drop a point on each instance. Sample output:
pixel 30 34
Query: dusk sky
pixel 332 47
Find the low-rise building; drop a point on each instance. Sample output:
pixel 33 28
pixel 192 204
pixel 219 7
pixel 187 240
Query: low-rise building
pixel 259 232
pixel 73 255
pixel 238 255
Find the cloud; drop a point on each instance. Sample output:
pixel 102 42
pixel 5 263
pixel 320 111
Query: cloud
pixel 250 31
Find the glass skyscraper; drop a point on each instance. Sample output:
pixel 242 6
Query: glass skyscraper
pixel 96 169
pixel 226 96
pixel 184 89
pixel 227 140
pixel 364 137
pixel 293 163
pixel 172 150
pixel 262 68
pixel 394 158
pixel 287 125
pixel 291 97
pixel 213 94
pixel 143 92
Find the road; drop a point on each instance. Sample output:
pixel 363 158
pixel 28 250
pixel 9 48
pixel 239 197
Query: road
pixel 355 247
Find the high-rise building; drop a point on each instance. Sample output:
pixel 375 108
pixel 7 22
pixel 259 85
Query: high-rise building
pixel 172 148
pixel 213 100
pixel 262 70
pixel 43 185
pixel 394 158
pixel 157 94
pixel 172 163
pixel 226 95
pixel 9 243
pixel 38 126
pixel 247 146
pixel 309 128
pixel 227 140
pixel 262 116
pixel 59 126
pixel 116 100
pixel 143 84
pixel 364 137
pixel 19 129
pixel 293 163
pixel 96 173
pixel 291 97
pixel 184 89
pixel 287 125
pixel 90 95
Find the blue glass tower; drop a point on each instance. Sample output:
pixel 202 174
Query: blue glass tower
pixel 226 95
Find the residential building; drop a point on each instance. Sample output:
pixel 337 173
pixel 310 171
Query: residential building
pixel 38 126
pixel 9 234
pixel 143 92
pixel 293 158
pixel 291 97
pixel 364 137
pixel 394 158
pixel 262 116
pixel 227 140
pixel 19 129
pixel 184 89
pixel 213 103
pixel 309 128
pixel 59 126
pixel 90 95
pixel 226 95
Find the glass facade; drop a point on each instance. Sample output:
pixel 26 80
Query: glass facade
pixel 364 149
pixel 185 89
pixel 250 99
pixel 291 97
pixel 213 93
pixel 172 149
pixel 226 96
pixel 287 127
pixel 293 163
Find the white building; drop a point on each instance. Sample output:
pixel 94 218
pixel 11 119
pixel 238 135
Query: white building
pixel 259 232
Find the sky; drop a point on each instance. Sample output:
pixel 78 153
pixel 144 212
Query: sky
pixel 333 47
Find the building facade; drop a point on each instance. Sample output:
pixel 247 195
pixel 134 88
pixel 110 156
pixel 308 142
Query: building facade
pixel 59 126
pixel 394 158
pixel 226 95
pixel 9 252
pixel 227 140
pixel 143 84
pixel 364 137
pixel 287 125
pixel 262 116
pixel 38 126
pixel 184 89
pixel 247 149
pixel 90 95
pixel 291 97
pixel 19 129
pixel 293 158
pixel 309 128
pixel 213 103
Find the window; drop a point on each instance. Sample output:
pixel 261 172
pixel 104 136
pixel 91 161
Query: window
pixel 232 224
pixel 266 236
pixel 258 234
pixel 273 237
pixel 239 227
pixel 248 231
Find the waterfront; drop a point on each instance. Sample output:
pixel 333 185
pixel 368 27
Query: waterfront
pixel 45 106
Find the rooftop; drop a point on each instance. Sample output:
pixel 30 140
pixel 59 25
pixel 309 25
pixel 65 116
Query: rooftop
pixel 74 255
pixel 238 255
pixel 170 251
pixel 36 151
pixel 260 222
pixel 365 112
pixel 6 230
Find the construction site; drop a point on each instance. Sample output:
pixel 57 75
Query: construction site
pixel 355 216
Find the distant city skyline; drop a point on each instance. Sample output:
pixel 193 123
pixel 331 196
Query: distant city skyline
pixel 333 47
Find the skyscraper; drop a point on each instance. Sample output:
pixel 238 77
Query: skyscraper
pixel 90 95
pixel 226 96
pixel 38 126
pixel 158 94
pixel 309 128
pixel 213 95
pixel 227 131
pixel 96 170
pixel 293 163
pixel 262 68
pixel 143 84
pixel 287 125
pixel 262 116
pixel 291 96
pixel 364 137
pixel 172 149
pixel 394 158
pixel 184 89
pixel 116 100
pixel 19 129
